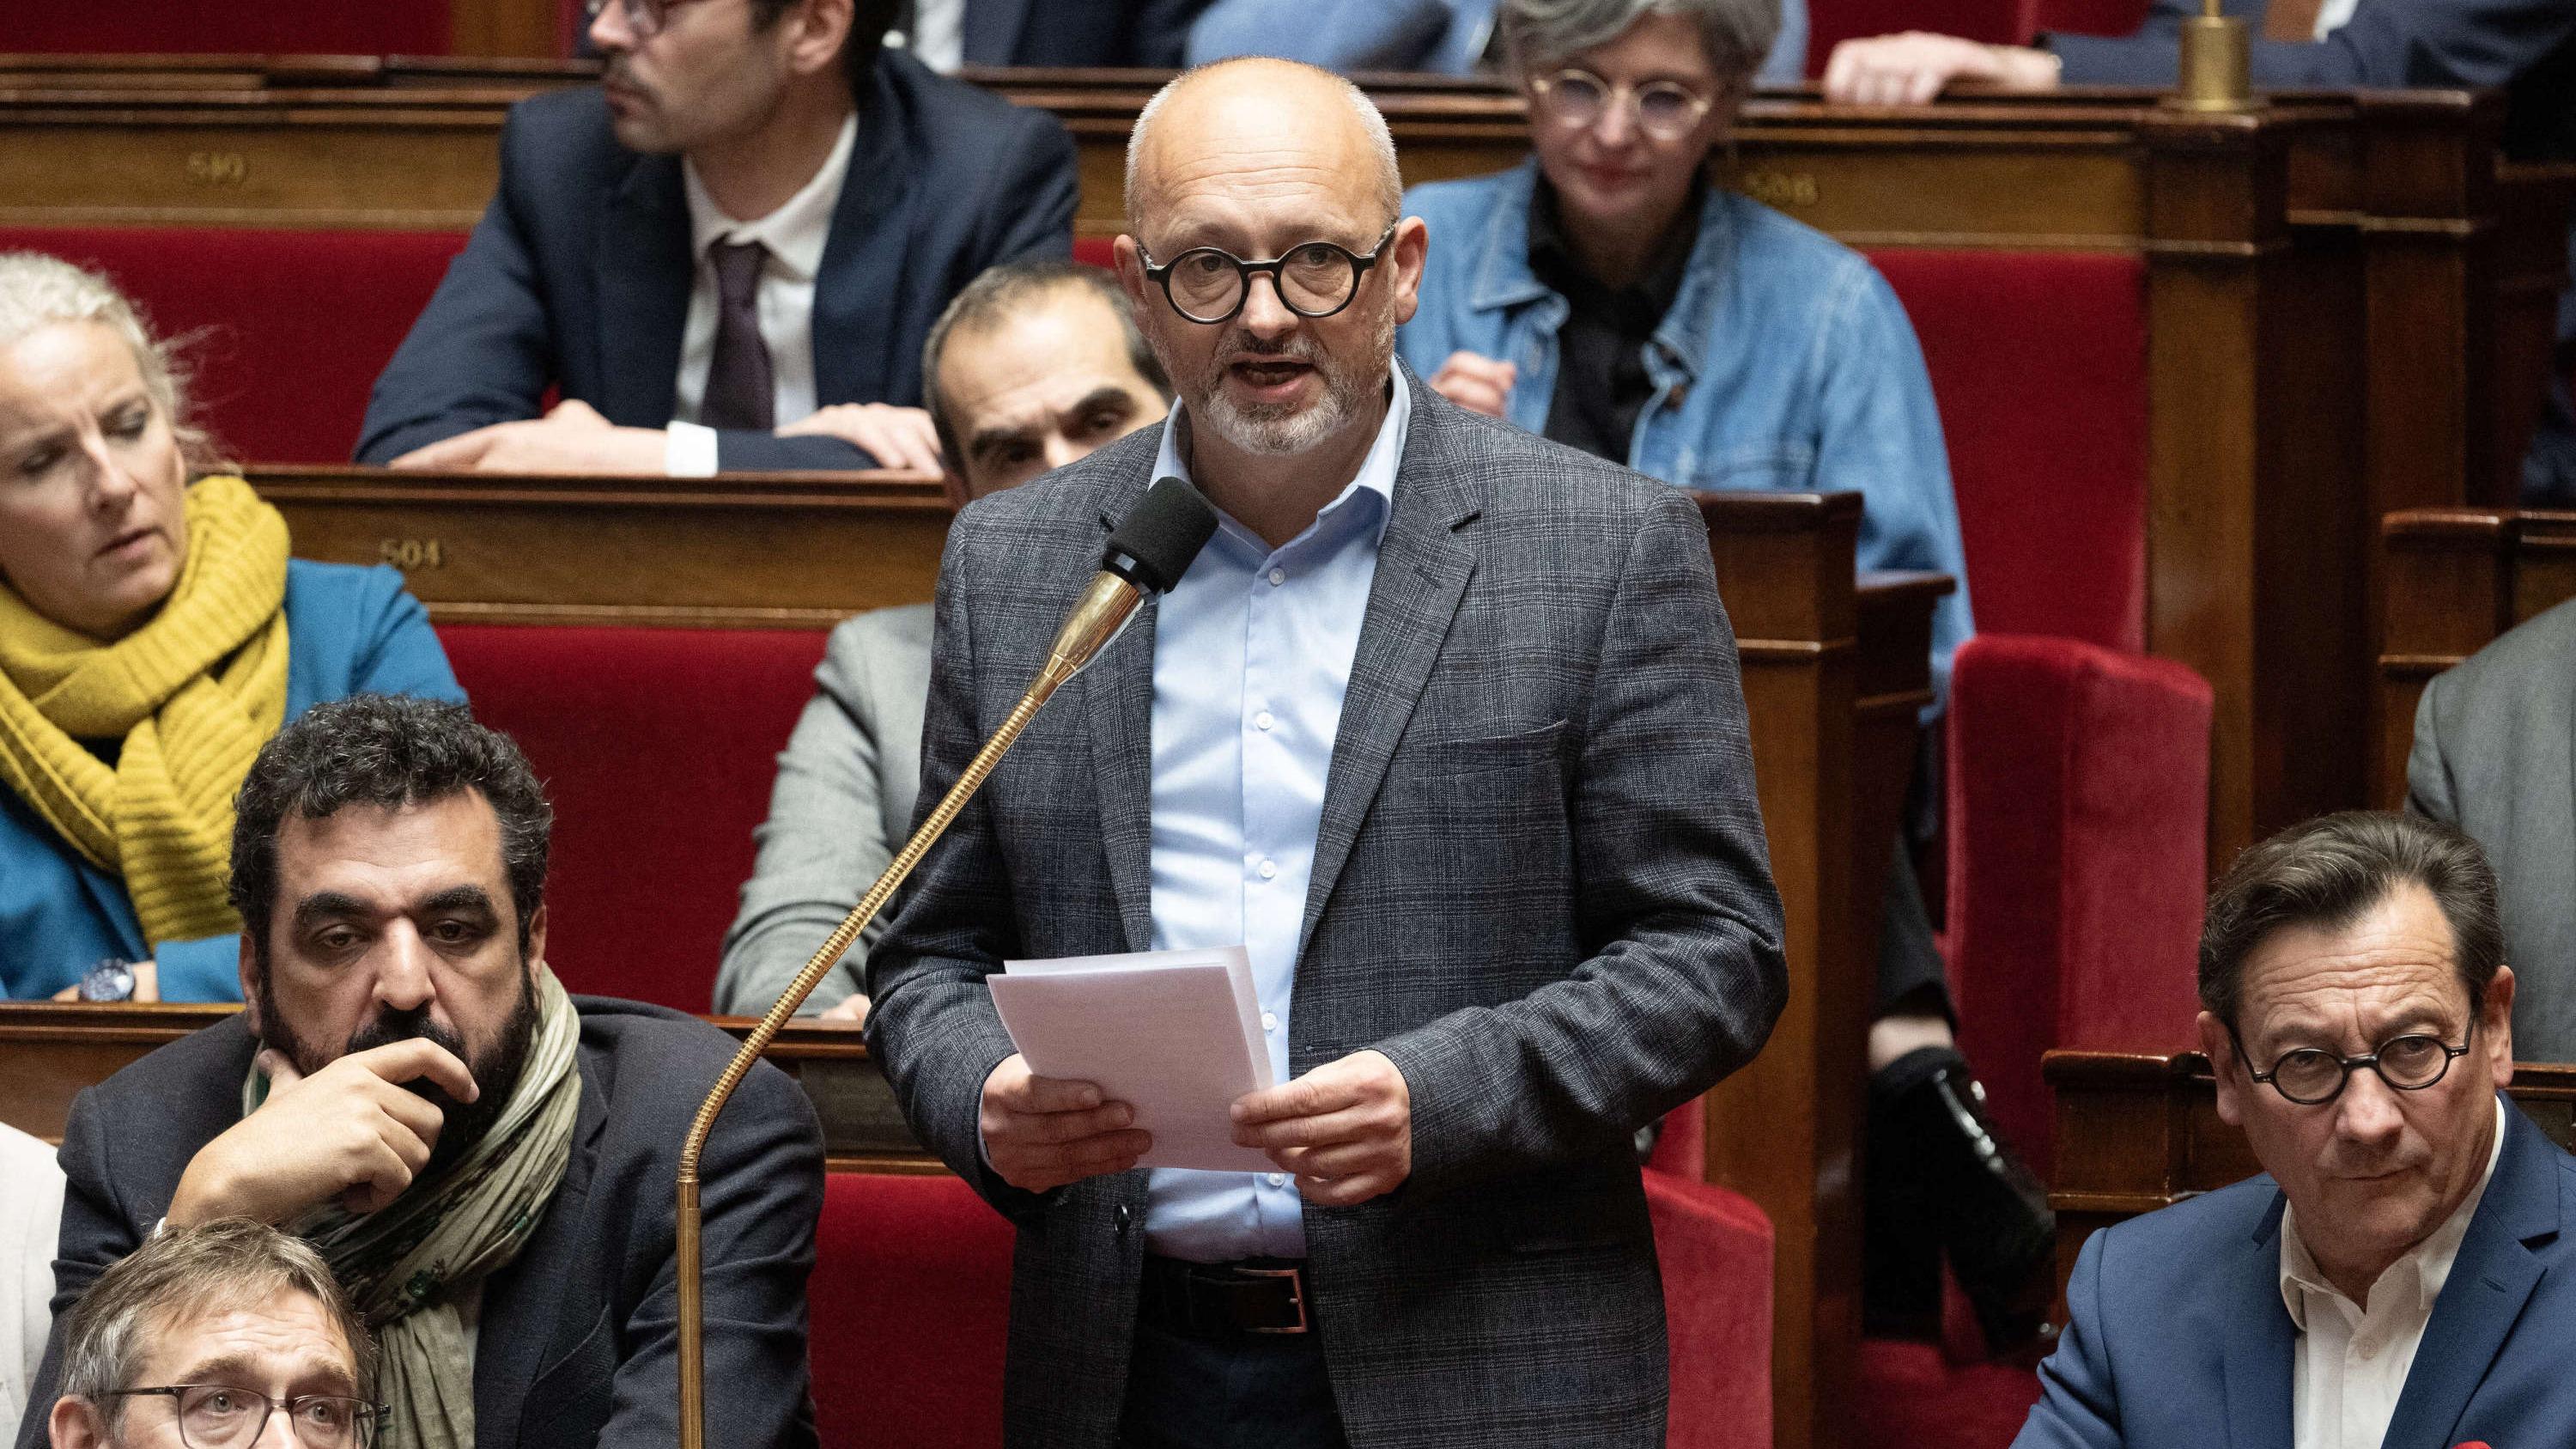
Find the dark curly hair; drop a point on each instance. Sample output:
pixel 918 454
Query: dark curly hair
pixel 389 751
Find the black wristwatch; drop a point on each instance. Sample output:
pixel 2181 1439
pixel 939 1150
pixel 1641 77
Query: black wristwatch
pixel 112 979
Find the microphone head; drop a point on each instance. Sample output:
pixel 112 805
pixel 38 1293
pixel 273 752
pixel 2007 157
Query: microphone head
pixel 1153 545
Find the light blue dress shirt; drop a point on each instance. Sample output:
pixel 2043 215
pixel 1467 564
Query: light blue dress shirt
pixel 1252 653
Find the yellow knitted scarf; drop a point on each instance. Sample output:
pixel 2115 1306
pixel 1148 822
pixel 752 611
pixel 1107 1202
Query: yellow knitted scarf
pixel 193 693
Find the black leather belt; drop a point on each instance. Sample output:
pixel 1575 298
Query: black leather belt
pixel 1223 1300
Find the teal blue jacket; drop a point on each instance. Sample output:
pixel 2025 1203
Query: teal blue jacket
pixel 348 631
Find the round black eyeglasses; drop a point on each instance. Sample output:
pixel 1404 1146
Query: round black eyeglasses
pixel 2313 1076
pixel 1210 284
pixel 215 1416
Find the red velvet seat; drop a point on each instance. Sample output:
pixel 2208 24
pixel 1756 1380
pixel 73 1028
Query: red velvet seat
pixel 911 1304
pixel 658 747
pixel 1715 1249
pixel 287 329
pixel 2078 769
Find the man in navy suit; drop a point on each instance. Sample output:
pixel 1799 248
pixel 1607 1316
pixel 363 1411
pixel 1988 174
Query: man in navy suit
pixel 2401 1273
pixel 758 214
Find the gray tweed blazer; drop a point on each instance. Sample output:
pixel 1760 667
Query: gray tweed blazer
pixel 841 808
pixel 1540 887
pixel 2495 755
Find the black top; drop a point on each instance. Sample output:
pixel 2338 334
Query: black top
pixel 1601 381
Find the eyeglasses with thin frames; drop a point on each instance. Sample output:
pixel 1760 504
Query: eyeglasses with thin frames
pixel 1209 285
pixel 219 1416
pixel 1576 99
pixel 644 17
pixel 2313 1076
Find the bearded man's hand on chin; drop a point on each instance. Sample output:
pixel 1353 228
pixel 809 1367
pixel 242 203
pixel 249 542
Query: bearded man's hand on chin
pixel 354 1130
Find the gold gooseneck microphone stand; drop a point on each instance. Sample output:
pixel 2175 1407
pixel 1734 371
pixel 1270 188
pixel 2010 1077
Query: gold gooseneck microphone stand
pixel 1171 523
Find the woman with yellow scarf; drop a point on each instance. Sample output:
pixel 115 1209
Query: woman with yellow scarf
pixel 153 635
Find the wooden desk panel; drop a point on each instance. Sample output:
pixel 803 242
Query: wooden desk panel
pixel 2457 578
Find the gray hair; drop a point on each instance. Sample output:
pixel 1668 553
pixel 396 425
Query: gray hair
pixel 999 290
pixel 184 1274
pixel 1390 178
pixel 39 291
pixel 1540 35
pixel 2326 873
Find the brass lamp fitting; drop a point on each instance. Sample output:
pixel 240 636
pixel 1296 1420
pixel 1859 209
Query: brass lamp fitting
pixel 2217 64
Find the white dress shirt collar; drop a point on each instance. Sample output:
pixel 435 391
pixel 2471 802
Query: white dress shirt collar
pixel 1376 474
pixel 2350 1362
pixel 796 232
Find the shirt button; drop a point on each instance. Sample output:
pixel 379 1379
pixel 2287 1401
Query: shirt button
pixel 1263 720
pixel 2368 1348
pixel 1269 1021
pixel 1278 577
pixel 1269 869
pixel 1278 1179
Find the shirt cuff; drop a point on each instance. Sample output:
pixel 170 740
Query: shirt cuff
pixel 689 450
pixel 208 969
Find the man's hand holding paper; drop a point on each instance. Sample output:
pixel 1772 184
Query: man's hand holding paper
pixel 1345 1129
pixel 1044 1132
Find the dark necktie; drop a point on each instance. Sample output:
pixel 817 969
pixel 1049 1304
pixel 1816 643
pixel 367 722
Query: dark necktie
pixel 739 391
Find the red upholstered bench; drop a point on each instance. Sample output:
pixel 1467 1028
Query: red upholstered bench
pixel 911 1304
pixel 658 747
pixel 287 329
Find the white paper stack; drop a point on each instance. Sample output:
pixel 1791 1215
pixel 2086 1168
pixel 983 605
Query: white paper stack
pixel 1174 1034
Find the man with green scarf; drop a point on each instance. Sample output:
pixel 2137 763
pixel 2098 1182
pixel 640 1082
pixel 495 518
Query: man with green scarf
pixel 485 1161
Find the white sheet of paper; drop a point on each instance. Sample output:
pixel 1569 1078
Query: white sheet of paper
pixel 1174 1034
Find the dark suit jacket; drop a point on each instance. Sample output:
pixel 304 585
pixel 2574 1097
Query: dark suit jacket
pixel 2178 1339
pixel 2526 46
pixel 1079 32
pixel 1540 887
pixel 576 1338
pixel 578 275
pixel 2495 755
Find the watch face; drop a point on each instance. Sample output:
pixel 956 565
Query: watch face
pixel 109 980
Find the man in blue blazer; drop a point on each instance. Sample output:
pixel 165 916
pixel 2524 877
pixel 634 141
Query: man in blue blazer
pixel 2401 1273
pixel 755 218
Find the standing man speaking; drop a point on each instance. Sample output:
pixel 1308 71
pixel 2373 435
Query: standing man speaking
pixel 1444 727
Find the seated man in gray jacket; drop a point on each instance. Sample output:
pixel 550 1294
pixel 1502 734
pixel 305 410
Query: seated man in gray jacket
pixel 1032 366
pixel 2492 758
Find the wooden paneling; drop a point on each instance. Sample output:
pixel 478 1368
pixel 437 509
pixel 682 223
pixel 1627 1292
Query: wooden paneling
pixel 2457 578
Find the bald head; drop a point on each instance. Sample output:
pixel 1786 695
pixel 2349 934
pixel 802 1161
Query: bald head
pixel 1254 125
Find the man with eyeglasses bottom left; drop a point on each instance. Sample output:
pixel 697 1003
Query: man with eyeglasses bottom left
pixel 2402 1273
pixel 203 1337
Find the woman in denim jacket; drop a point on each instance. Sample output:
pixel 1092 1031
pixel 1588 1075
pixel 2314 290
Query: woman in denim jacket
pixel 1607 295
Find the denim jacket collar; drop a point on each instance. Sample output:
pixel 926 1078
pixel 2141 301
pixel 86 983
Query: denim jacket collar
pixel 1504 278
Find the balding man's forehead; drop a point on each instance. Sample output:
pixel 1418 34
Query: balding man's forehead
pixel 1258 134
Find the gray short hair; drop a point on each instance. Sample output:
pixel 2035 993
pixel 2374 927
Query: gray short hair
pixel 1539 35
pixel 1001 289
pixel 1390 177
pixel 2326 873
pixel 184 1274
pixel 39 291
